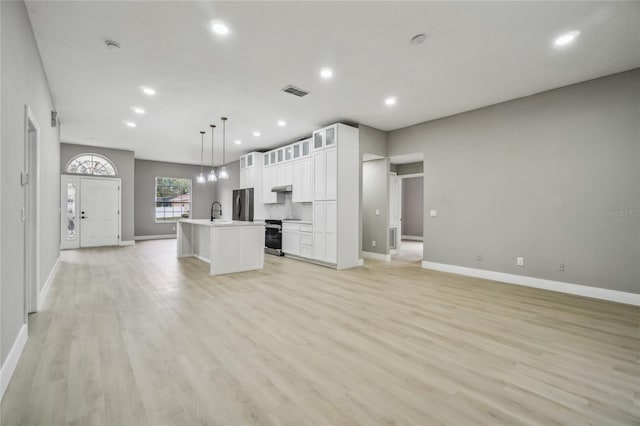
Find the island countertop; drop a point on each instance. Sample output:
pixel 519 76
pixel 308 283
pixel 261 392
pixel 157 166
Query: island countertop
pixel 221 223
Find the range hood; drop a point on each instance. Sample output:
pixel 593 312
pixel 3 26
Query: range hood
pixel 283 188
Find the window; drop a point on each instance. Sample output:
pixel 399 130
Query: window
pixel 91 164
pixel 173 199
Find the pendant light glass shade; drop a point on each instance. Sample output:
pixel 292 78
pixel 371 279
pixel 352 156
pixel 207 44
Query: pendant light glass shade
pixel 223 172
pixel 211 177
pixel 200 178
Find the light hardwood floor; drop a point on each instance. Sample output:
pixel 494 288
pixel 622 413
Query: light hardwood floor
pixel 133 336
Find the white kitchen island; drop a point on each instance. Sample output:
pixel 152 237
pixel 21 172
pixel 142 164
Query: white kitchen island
pixel 228 246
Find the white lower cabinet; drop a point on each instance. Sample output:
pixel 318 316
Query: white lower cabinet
pixel 290 241
pixel 297 239
pixel 325 231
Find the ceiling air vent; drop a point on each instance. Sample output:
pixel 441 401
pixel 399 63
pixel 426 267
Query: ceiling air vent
pixel 295 91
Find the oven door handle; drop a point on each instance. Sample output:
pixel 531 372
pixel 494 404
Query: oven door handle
pixel 273 227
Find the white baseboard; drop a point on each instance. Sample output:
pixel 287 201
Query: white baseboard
pixel 127 243
pixel 577 289
pixel 42 296
pixel 376 256
pixel 154 237
pixel 412 237
pixel 204 259
pixel 9 366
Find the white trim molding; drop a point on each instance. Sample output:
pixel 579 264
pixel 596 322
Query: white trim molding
pixel 154 237
pixel 376 256
pixel 562 287
pixel 47 284
pixel 9 366
pixel 412 238
pixel 127 243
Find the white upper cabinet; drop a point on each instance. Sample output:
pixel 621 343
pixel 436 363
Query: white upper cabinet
pixel 248 160
pixel 251 170
pixel 302 181
pixel 326 137
pixel 325 175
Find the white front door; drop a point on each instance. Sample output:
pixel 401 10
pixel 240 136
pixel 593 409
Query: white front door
pixel 99 212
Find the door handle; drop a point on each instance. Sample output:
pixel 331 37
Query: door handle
pixel 83 217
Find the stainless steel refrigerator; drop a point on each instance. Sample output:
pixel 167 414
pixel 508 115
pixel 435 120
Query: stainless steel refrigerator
pixel 243 204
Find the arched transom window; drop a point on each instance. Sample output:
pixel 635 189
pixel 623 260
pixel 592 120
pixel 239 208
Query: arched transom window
pixel 91 164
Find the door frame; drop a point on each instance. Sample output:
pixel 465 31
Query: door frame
pixel 31 211
pixel 400 200
pixel 78 180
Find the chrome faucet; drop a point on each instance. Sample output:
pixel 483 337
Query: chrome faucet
pixel 213 211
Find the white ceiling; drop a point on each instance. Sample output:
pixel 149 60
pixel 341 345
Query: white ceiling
pixel 476 54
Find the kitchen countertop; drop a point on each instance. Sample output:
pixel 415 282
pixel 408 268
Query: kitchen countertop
pixel 304 222
pixel 221 222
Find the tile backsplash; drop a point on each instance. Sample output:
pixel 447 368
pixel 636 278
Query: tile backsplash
pixel 289 210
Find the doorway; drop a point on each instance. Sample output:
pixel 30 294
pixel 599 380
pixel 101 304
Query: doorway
pixel 406 197
pixel 90 210
pixel 410 248
pixel 30 211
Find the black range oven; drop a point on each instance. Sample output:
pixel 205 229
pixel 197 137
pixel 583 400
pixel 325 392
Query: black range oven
pixel 273 237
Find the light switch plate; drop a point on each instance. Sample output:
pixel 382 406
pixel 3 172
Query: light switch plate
pixel 377 212
pixel 433 213
pixel 520 261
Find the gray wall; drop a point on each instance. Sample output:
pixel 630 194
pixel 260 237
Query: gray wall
pixel 537 177
pixel 224 188
pixel 372 141
pixel 124 162
pixel 146 173
pixel 375 196
pixel 23 83
pixel 412 206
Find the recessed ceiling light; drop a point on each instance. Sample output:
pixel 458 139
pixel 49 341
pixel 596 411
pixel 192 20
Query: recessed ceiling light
pixel 326 73
pixel 256 133
pixel 148 90
pixel 282 123
pixel 390 101
pixel 566 38
pixel 219 27
pixel 130 123
pixel 238 142
pixel 138 110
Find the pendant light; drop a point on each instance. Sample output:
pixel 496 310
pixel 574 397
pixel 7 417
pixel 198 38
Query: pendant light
pixel 200 178
pixel 211 177
pixel 223 173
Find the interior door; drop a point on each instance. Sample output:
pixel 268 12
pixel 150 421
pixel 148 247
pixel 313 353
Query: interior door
pixel 99 212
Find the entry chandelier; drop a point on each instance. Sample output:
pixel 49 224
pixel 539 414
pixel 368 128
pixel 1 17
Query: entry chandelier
pixel 211 177
pixel 223 172
pixel 200 178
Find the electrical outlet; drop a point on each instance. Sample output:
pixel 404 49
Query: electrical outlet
pixel 561 267
pixel 377 212
pixel 520 261
pixel 373 243
pixel 173 229
pixel 433 213
pixel 479 258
